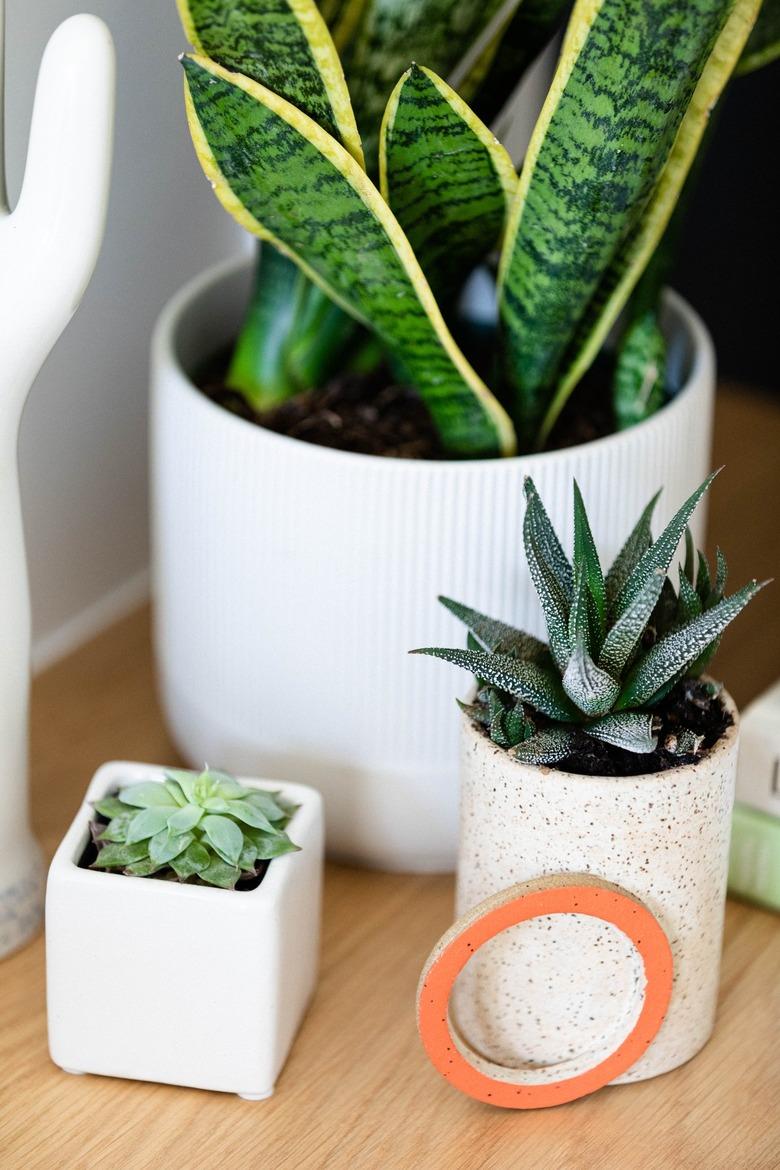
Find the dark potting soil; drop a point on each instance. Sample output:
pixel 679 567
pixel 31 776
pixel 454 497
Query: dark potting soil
pixel 690 705
pixel 99 822
pixel 372 415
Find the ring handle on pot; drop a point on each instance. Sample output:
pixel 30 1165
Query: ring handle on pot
pixel 580 894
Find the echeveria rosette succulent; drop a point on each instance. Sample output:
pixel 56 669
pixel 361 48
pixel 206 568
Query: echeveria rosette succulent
pixel 617 644
pixel 203 827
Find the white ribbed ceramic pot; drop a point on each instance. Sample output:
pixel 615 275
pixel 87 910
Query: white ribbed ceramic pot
pixel 290 580
pixel 559 993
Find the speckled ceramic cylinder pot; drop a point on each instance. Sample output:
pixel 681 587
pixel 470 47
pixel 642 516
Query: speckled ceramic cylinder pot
pixel 558 993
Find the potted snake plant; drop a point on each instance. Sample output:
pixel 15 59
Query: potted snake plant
pixel 169 879
pixel 415 297
pixel 605 751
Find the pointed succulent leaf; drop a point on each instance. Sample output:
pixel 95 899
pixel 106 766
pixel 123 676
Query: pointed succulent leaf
pixel 550 547
pixel 445 176
pixel 637 544
pixel 477 712
pixel 496 714
pixel 266 160
pixel 118 856
pixel 148 794
pixel 586 554
pixel 215 804
pixel 592 238
pixel 185 780
pixel 624 636
pixel 721 575
pixel 591 689
pixel 111 806
pixel 147 823
pixel 269 803
pixel 184 818
pixel 228 787
pixel 276 846
pixel 517 725
pixel 678 650
pixel 283 44
pixel 688 602
pixel 220 873
pixel 495 635
pixel 684 743
pixel 116 829
pixel 164 846
pixel 661 552
pixel 144 868
pixel 193 860
pixel 175 792
pixel 540 688
pixel 689 564
pixel 580 612
pixel 703 581
pixel 630 730
pixel 546 747
pixel 248 856
pixel 224 836
pixel 250 814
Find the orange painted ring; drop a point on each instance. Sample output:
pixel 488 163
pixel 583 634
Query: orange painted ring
pixel 520 904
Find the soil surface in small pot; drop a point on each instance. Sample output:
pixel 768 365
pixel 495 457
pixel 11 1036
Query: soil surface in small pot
pixel 691 705
pixel 99 822
pixel 372 415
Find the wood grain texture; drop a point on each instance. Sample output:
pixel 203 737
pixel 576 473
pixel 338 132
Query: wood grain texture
pixel 358 1092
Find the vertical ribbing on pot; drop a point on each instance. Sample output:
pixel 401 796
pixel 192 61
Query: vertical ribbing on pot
pixel 559 994
pixel 291 580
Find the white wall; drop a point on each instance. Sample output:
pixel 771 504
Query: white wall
pixel 83 443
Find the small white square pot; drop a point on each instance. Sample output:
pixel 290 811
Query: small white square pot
pixel 179 983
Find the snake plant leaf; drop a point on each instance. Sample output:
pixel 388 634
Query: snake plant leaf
pixel 546 747
pixel 630 730
pixel 590 688
pixel 636 249
pixel 639 381
pixel 447 179
pixel 496 73
pixel 672 656
pixel 267 161
pixel 624 635
pixel 586 554
pixel 392 33
pixel 495 635
pixel 660 553
pixel 637 543
pixel 283 44
pixel 625 144
pixel 524 680
pixel 763 44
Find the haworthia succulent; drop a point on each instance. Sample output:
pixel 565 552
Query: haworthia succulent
pixel 546 747
pixel 623 271
pixel 630 730
pixel 623 637
pixel 637 543
pixel 624 85
pixel 446 178
pixel 525 680
pixel 497 636
pixel 592 689
pixel 283 44
pixel 670 657
pixel 391 34
pixel 586 554
pixel 267 160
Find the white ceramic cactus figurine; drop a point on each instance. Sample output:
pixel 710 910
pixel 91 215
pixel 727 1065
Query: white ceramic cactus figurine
pixel 48 248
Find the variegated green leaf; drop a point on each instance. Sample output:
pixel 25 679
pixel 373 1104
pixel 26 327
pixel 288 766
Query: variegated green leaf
pixel 266 161
pixel 393 33
pixel 112 806
pixel 495 635
pixel 194 859
pixel 703 581
pixel 220 873
pixel 546 747
pixel 586 554
pixel 639 381
pixel 546 537
pixel 591 689
pixel 688 603
pixel 525 680
pixel 579 614
pixel 685 57
pixel 763 44
pixel 164 846
pixel 118 856
pixel 661 552
pixel 445 176
pixel 630 730
pixel 619 129
pixel 283 44
pixel 636 545
pixel 624 635
pixel 674 653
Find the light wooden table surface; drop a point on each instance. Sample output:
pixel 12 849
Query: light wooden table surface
pixel 357 1091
